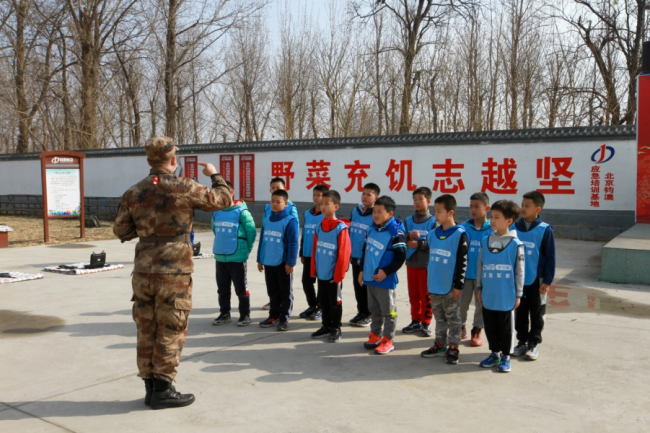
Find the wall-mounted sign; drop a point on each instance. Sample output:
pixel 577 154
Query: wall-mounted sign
pixel 247 177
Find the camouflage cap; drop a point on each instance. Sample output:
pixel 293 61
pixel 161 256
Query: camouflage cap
pixel 160 149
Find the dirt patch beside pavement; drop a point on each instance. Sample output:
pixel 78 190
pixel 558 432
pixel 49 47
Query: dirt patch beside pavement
pixel 28 231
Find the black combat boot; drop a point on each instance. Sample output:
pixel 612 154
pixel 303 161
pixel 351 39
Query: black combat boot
pixel 165 396
pixel 148 386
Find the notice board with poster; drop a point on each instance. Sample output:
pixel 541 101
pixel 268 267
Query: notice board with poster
pixel 247 178
pixel 191 167
pixel 63 188
pixel 227 167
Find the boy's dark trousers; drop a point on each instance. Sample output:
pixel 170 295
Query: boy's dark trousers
pixel 329 300
pixel 279 286
pixel 360 292
pixel 234 273
pixel 499 329
pixel 531 306
pixel 309 283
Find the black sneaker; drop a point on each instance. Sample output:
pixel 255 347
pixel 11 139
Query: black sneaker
pixel 355 319
pixel 282 326
pixel 323 332
pixel 412 328
pixel 335 335
pixel 426 330
pixel 244 321
pixel 308 312
pixel 222 319
pixel 316 315
pixel 452 354
pixel 364 322
pixel 268 323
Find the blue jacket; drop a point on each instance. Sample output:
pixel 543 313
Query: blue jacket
pixel 393 258
pixel 291 236
pixel 546 265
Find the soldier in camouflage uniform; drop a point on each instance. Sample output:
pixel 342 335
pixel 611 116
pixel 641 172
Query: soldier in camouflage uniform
pixel 159 211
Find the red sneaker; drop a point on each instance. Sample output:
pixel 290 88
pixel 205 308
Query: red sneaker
pixel 385 346
pixel 476 337
pixel 373 341
pixel 463 334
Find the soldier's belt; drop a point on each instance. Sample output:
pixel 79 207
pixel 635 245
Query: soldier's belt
pixel 164 239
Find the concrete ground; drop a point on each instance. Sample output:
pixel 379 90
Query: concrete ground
pixel 67 353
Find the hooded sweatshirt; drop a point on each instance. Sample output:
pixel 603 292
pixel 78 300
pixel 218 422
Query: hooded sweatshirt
pixel 344 248
pixel 498 243
pixel 245 235
pixel 291 244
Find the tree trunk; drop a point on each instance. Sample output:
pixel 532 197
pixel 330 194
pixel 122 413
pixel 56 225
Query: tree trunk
pixel 170 71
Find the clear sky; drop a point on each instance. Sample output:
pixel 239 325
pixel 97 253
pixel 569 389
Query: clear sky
pixel 314 9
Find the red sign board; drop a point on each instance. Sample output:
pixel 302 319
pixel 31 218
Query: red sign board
pixel 643 142
pixel 227 167
pixel 247 177
pixel 191 168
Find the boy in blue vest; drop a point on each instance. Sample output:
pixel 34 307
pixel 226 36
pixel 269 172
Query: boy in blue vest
pixel 277 254
pixel 234 235
pixel 312 219
pixel 539 240
pixel 278 183
pixel 360 222
pixel 418 227
pixel 446 278
pixel 477 227
pixel 383 255
pixel 330 258
pixel 500 283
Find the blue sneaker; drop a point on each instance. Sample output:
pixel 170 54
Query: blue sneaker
pixel 490 361
pixel 504 364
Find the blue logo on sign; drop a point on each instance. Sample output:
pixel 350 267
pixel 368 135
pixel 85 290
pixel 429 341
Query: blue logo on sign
pixel 603 154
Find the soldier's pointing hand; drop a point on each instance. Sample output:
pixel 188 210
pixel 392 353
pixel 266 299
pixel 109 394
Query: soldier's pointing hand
pixel 208 169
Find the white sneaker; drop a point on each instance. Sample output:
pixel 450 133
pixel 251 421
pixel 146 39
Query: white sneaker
pixel 267 306
pixel 519 349
pixel 532 353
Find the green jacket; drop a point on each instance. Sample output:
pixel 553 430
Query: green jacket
pixel 247 233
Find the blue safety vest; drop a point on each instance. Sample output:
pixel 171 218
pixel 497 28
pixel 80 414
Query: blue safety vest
pixel 474 237
pixel 424 228
pixel 532 240
pixel 499 291
pixel 272 244
pixel 226 231
pixel 327 250
pixel 442 261
pixel 311 223
pixel 377 256
pixel 359 226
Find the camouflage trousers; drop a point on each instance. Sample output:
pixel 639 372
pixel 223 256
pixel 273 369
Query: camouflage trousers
pixel 161 308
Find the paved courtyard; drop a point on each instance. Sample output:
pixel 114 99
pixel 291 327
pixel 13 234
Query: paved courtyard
pixel 67 351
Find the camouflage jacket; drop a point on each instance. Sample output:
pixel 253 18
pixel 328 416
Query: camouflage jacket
pixel 166 209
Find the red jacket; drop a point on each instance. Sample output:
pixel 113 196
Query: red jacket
pixel 344 248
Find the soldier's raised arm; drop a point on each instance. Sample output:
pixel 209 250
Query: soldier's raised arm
pixel 211 199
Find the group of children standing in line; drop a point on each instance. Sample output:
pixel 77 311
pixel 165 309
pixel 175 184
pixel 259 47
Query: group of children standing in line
pixel 506 263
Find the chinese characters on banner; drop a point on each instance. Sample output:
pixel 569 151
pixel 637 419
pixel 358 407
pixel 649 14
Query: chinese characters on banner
pixel 553 174
pixel 227 167
pixel 247 178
